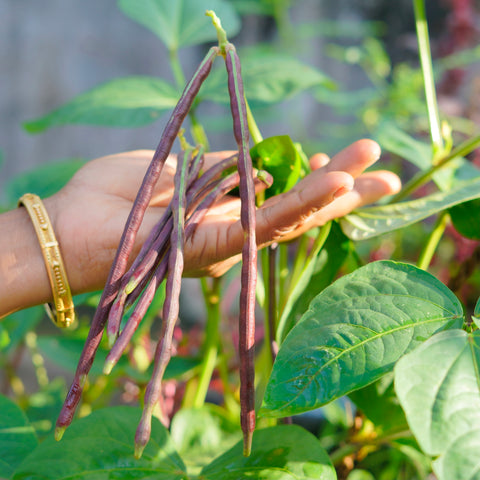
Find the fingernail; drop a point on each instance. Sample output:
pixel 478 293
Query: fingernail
pixel 342 191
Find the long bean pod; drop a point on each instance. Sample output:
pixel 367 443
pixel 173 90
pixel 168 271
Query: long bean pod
pixel 171 304
pixel 218 189
pixel 249 252
pixel 128 237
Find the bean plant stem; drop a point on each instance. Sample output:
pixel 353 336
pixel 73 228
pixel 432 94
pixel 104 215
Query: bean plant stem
pixel 433 240
pixel 211 294
pixel 422 178
pixel 272 299
pixel 253 127
pixel 428 79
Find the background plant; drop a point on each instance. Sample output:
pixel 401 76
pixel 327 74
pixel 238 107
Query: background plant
pixel 365 433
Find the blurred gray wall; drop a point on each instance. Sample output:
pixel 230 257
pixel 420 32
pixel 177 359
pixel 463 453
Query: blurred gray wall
pixel 52 50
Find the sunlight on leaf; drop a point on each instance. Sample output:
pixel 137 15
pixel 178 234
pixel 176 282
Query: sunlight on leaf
pixel 369 222
pixel 181 23
pixel 269 77
pixel 123 102
pixel 283 452
pixel 354 332
pixel 438 385
pixel 101 446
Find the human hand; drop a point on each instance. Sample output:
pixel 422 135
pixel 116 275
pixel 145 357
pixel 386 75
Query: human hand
pixel 90 212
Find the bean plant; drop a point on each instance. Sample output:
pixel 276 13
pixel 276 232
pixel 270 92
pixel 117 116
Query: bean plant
pixel 353 351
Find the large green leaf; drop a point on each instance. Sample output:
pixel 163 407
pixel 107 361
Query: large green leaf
pixel 369 222
pixel 285 452
pixel 17 437
pixel 354 332
pixel 181 22
pixel 438 385
pixel 123 102
pixel 100 446
pixel 269 77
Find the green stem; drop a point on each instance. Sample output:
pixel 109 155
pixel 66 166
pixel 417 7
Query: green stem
pixel 271 324
pixel 319 241
pixel 338 455
pixel 211 295
pixel 197 131
pixel 176 68
pixel 283 270
pixel 298 265
pixel 253 127
pixel 221 34
pixel 423 177
pixel 428 80
pixel 432 243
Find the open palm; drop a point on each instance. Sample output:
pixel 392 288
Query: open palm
pixel 90 212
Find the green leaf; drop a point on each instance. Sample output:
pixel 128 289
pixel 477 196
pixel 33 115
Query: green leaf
pixel 405 146
pixel 438 387
pixel 466 219
pixel 123 102
pixel 199 434
pixel 372 221
pixel 254 7
pixel 360 475
pixel 354 332
pixel 269 77
pixel 181 23
pixel 283 452
pixel 43 406
pixel 279 157
pixel 65 352
pixel 44 180
pixel 380 405
pixel 18 324
pixel 476 314
pixel 17 437
pixel 101 446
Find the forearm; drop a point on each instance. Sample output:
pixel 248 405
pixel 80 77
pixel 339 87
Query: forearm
pixel 23 276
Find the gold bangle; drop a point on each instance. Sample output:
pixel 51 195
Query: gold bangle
pixel 63 315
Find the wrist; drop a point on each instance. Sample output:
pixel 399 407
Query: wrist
pixel 23 275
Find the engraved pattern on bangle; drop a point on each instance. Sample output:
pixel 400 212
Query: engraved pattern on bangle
pixel 63 314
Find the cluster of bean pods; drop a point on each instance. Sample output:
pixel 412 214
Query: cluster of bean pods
pixel 161 256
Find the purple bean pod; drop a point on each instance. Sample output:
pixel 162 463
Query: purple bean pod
pixel 128 237
pixel 130 328
pixel 218 190
pixel 249 252
pixel 147 258
pixel 171 304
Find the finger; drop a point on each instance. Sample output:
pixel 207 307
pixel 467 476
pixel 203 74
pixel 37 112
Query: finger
pixel 369 188
pixel 355 158
pixel 319 160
